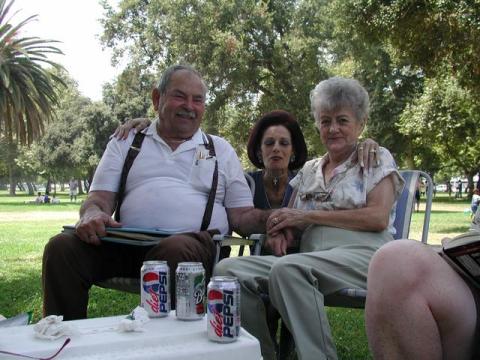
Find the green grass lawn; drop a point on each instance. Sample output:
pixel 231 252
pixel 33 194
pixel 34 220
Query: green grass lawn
pixel 25 228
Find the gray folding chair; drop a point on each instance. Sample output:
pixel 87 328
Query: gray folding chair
pixel 351 297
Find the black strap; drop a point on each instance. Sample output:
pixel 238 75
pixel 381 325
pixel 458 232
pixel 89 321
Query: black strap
pixel 131 155
pixel 207 215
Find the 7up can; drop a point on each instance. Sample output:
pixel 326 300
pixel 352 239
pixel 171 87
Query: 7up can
pixel 190 291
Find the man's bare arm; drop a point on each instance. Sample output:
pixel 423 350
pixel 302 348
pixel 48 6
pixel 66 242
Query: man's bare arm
pixel 95 214
pixel 248 220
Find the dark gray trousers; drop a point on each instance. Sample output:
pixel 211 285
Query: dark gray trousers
pixel 70 266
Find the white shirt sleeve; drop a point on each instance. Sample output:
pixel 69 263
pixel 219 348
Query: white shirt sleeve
pixel 108 172
pixel 237 191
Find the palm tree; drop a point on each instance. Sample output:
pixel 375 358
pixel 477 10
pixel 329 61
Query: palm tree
pixel 27 90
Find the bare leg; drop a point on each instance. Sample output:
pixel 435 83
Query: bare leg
pixel 417 305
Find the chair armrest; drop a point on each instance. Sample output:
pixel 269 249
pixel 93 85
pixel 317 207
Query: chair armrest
pixel 351 292
pixel 255 240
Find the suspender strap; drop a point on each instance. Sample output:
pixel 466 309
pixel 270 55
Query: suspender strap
pixel 131 155
pixel 207 215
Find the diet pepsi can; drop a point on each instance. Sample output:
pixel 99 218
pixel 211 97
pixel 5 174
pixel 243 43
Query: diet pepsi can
pixel 190 291
pixel 155 288
pixel 223 309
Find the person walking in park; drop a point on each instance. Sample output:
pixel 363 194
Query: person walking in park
pixel 73 188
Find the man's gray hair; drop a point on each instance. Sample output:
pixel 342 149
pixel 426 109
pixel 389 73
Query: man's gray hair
pixel 337 93
pixel 168 73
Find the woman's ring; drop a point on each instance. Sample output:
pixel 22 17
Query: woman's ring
pixel 275 220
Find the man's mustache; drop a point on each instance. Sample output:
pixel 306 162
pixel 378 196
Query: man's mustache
pixel 190 114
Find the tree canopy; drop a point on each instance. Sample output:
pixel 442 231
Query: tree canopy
pixel 437 36
pixel 418 61
pixel 27 90
pixel 256 56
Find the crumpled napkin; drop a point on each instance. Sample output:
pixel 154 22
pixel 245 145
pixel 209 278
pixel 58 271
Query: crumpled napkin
pixel 52 327
pixel 134 321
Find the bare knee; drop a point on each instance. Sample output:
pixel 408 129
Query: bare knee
pixel 400 266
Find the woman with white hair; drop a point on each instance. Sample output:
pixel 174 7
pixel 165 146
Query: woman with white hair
pixel 339 214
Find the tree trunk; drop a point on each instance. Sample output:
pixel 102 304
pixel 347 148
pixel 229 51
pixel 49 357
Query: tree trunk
pixel 48 187
pixel 409 157
pixel 12 180
pixel 30 188
pixel 470 185
pixel 80 187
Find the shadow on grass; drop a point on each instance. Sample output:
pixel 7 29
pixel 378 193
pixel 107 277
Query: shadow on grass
pixel 439 212
pixel 21 292
pixel 455 229
pixel 39 206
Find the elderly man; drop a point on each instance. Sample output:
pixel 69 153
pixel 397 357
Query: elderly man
pixel 167 187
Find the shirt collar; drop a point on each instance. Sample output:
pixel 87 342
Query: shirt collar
pixel 195 140
pixel 347 164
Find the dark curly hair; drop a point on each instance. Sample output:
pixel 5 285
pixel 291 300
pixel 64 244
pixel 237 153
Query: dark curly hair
pixel 273 118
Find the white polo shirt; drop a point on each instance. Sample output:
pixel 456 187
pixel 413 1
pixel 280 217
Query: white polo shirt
pixel 167 189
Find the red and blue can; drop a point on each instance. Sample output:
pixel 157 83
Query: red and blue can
pixel 223 309
pixel 155 288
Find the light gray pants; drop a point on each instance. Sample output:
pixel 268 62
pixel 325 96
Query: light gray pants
pixel 300 285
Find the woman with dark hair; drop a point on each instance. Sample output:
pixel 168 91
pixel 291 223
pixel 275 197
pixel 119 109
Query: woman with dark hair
pixel 277 147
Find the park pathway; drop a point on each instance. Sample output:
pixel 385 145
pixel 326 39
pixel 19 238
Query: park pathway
pixel 39 215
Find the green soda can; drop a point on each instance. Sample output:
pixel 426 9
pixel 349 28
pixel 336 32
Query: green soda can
pixel 190 291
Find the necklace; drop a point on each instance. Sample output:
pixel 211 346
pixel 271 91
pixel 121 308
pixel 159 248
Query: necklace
pixel 275 181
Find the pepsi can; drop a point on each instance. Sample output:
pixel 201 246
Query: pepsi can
pixel 223 309
pixel 155 288
pixel 190 291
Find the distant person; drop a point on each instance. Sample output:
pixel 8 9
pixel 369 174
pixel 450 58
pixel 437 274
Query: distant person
pixel 39 198
pixel 417 196
pixel 459 188
pixel 46 199
pixel 55 200
pixel 475 201
pixel 476 221
pixel 449 188
pixel 73 185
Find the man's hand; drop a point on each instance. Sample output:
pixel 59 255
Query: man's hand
pixel 95 215
pixel 247 220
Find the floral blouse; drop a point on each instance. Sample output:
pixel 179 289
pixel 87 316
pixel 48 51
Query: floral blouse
pixel 348 187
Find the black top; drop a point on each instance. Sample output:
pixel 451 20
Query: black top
pixel 260 200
